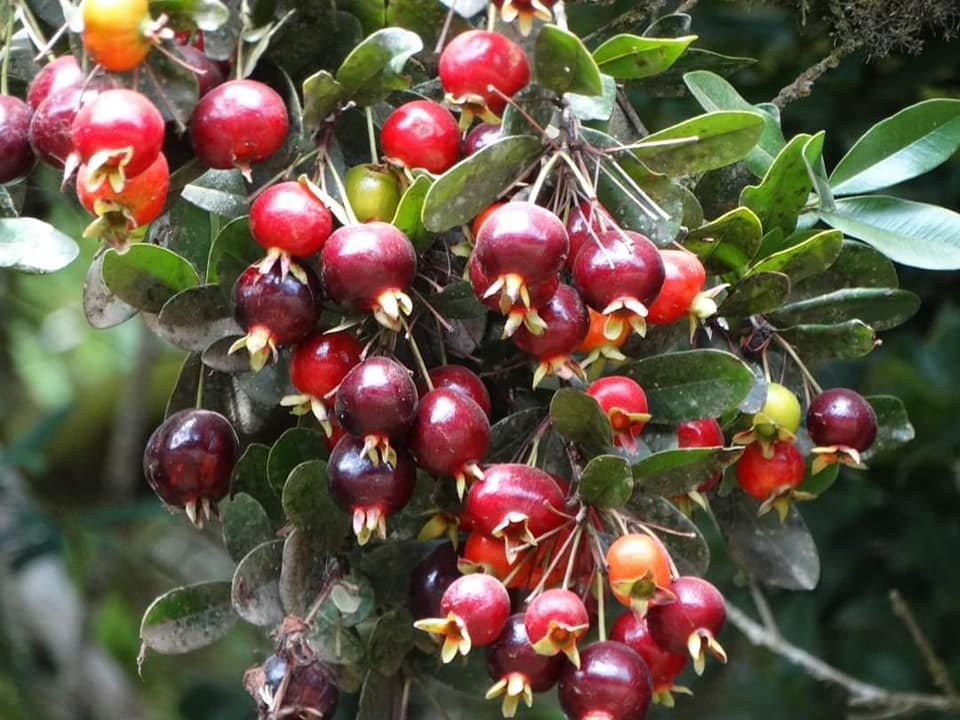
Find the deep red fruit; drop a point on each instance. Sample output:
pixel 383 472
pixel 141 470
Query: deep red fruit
pixel 274 310
pixel 524 11
pixel 370 267
pixel 207 71
pixel 479 137
pixel 430 579
pixel 514 503
pixel 461 380
pixel 520 313
pixel 188 461
pixel 50 135
pixel 690 623
pixel 585 223
pixel 421 134
pixel 288 218
pixel 619 275
pixel 701 434
pixel 664 666
pixel 843 418
pixel 450 436
pixel 16 155
pixel 317 367
pixel 612 683
pixel 473 613
pixel 683 279
pixel 625 403
pixel 519 671
pixel 555 621
pixel 238 123
pixel 369 490
pixel 479 70
pixel 117 135
pixel 567 324
pixel 310 694
pixel 765 478
pixel 61 74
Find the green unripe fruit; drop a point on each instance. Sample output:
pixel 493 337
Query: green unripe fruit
pixel 781 411
pixel 373 193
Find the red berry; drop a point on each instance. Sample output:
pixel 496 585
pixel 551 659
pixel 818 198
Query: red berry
pixel 207 71
pixel 461 380
pixel 690 623
pixel 517 668
pixel 289 218
pixel 475 65
pixel 664 666
pixel 555 620
pixel 369 490
pixel 624 402
pixel 519 313
pixel 430 579
pixel 485 554
pixel 189 459
pixel 61 74
pixel 310 690
pixel 479 137
pixel 16 155
pixel 238 123
pixel 421 134
pixel 480 219
pixel 683 279
pixel 524 11
pixel 317 367
pixel 612 683
pixel 764 478
pixel 842 417
pixel 50 135
pixel 370 267
pixel 585 223
pixel 701 434
pixel 567 323
pixel 639 571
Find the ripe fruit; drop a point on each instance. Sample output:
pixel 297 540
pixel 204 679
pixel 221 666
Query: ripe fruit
pixel 485 554
pixel 317 367
pixel 117 135
pixel 310 691
pixel 207 71
pixel 625 404
pixel 518 669
pixel 115 32
pixel 479 70
pixel 188 461
pixel 597 345
pixel 538 294
pixel 287 219
pixel 524 11
pixel 612 683
pixel 450 436
pixel 684 276
pixel 690 623
pixel 369 267
pixel 273 310
pixel 373 192
pixel 59 75
pixel 567 324
pixel 480 135
pixel 421 134
pixel 771 479
pixel 664 666
pixel 16 155
pixel 474 611
pixel 555 620
pixel 237 124
pixel 585 223
pixel 461 380
pixel 701 434
pixel 481 218
pixel 430 579
pixel 619 275
pixel 377 401
pixel 842 424
pixel 638 569
pixel 50 135
pixel 370 490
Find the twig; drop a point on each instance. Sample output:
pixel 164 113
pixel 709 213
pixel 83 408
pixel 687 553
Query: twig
pixel 686 6
pixel 935 665
pixel 627 108
pixel 763 607
pixel 803 84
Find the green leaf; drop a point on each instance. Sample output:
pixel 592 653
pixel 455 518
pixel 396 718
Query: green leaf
pixel 295 446
pixel 245 525
pixel 857 265
pixel 728 243
pixel 894 429
pixel 620 199
pixel 195 318
pixel 408 217
pixel 817 170
pixel 389 565
pixel 188 618
pixel 594 107
pixel 606 482
pixel 146 276
pixel 221 192
pixel 671 84
pixel 350 602
pixel 309 507
pixel 250 477
pixel 322 95
pixel 101 307
pixel 171 87
pixel 670 26
pixel 471 185
pixel 306 570
pixel 392 638
pixel 508 435
pixel 336 644
pixel 692 384
pixel 880 307
pixel 676 472
pixel 578 417
pixel 757 293
pixel 256 585
pixel 188 234
pixel 785 188
pixel 33 246
pixel 907 232
pixel 536 101
pixel 457 301
pixel 629 57
pixel 914 141
pixel 716 139
pixel 822 481
pixel 563 64
pixel 805 259
pixel 777 554
pixel 375 67
pixel 377 697
pixel 843 341
pixel 685 542
pixel 232 251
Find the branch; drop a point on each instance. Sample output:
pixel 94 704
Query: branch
pixel 803 84
pixel 861 695
pixel 935 666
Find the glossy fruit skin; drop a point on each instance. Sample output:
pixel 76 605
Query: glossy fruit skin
pixel 238 123
pixel 50 128
pixel 421 134
pixel 664 666
pixel 319 363
pixel 512 652
pixel 637 556
pixel 430 579
pixel 699 607
pixel 567 325
pixel 477 59
pixel 684 276
pixel 142 199
pixel 310 688
pixel 374 193
pixel 190 457
pixel 620 396
pixel 480 219
pixel 701 433
pixel 462 380
pixel 282 305
pixel 290 218
pixel 619 265
pixel 595 337
pixel 117 120
pixel 612 683
pixel 482 604
pixel 113 32
pixel 481 135
pixel 356 482
pixel 561 606
pixel 16 155
pixel 842 417
pixel 209 74
pixel 782 408
pixel 482 553
pixel 524 239
pixel 450 433
pixel 59 75
pixel 762 477
pixel 586 222
pixel 377 397
pixel 539 292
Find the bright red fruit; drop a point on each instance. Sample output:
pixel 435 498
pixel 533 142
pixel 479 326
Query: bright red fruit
pixel 683 280
pixel 317 367
pixel 479 70
pixel 624 402
pixel 61 74
pixel 555 621
pixel 585 223
pixel 701 434
pixel 690 623
pixel 16 155
pixel 664 666
pixel 519 671
pixel 567 323
pixel 421 134
pixel 770 478
pixel 288 219
pixel 462 380
pixel 612 683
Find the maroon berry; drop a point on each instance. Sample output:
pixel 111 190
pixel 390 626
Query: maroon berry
pixel 207 71
pixel 370 267
pixel 585 223
pixel 16 155
pixel 567 324
pixel 450 436
pixel 479 137
pixel 61 74
pixel 50 128
pixel 310 694
pixel 317 367
pixel 624 402
pixel 691 623
pixel 473 613
pixel 461 380
pixel 520 312
pixel 612 683
pixel 555 621
pixel 479 70
pixel 189 459
pixel 421 134
pixel 664 666
pixel 430 579
pixel 238 123
pixel 701 434
pixel 519 671
pixel 287 219
pixel 841 417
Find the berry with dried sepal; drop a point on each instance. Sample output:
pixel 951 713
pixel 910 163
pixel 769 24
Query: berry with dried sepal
pixel 317 367
pixel 597 345
pixel 61 74
pixel 778 419
pixel 462 380
pixel 421 134
pixel 524 11
pixel 682 291
pixel 639 574
pixel 612 683
pixel 624 402
pixel 842 424
pixel 555 621
pixel 586 222
pixel 309 692
pixel 664 666
pixel 50 127
pixel 519 671
pixel 771 475
pixel 288 220
pixel 691 623
pixel 521 313
pixel 567 324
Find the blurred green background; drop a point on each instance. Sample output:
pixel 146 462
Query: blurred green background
pixel 84 545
